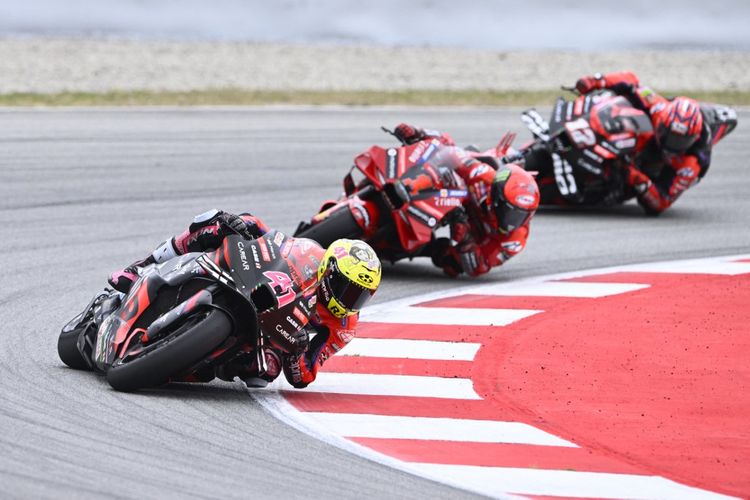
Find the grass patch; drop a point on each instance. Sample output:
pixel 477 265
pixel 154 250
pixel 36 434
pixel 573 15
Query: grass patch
pixel 238 97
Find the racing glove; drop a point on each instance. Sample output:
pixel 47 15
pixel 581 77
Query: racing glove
pixel 445 257
pixel 586 84
pixel 639 181
pixel 408 134
pixel 301 340
pixel 233 224
pixel 297 371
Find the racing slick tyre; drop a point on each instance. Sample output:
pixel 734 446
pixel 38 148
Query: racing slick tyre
pixel 340 224
pixel 173 354
pixel 67 349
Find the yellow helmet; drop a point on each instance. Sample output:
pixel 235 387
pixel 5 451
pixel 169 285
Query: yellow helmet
pixel 349 275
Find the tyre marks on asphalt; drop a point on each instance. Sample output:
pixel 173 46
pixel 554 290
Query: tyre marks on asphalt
pixel 416 386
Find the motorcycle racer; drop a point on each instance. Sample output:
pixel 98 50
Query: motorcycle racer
pixel 349 274
pixel 493 223
pixel 683 138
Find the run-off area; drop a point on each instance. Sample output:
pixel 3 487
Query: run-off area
pixel 626 382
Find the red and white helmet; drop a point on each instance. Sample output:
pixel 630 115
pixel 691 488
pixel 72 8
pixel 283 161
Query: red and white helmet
pixel 678 125
pixel 514 197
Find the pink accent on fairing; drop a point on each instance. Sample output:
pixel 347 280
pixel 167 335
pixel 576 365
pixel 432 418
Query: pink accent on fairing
pixel 115 278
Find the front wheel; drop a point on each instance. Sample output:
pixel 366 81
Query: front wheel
pixel 340 224
pixel 68 347
pixel 172 355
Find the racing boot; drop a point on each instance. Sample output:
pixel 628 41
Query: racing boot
pixel 273 369
pixel 123 279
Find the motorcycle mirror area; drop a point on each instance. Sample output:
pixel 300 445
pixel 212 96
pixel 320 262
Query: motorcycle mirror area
pixel 393 133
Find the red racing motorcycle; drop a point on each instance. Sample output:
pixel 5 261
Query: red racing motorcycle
pixel 394 198
pixel 194 315
pixel 580 154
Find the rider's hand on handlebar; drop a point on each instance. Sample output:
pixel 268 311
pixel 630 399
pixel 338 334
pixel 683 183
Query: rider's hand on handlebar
pixel 588 83
pixel 408 134
pixel 234 224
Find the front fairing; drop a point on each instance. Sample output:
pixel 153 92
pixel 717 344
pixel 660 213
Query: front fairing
pixel 276 273
pixel 420 186
pixel 116 330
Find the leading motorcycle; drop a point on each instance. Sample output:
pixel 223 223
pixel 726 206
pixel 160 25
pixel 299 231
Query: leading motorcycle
pixel 580 154
pixel 194 315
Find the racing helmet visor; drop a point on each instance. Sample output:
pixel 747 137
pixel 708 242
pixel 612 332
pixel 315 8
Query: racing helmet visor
pixel 677 143
pixel 347 293
pixel 510 217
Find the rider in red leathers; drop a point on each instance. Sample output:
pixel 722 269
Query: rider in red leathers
pixel 682 139
pixel 336 306
pixel 493 224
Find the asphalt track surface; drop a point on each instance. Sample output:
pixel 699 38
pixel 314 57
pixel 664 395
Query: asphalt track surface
pixel 85 191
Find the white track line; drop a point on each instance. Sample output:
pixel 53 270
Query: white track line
pixel 394 385
pixel 411 349
pixel 441 429
pixel 492 481
pixel 696 266
pixel 499 480
pixel 448 316
pixel 561 289
pixel 275 404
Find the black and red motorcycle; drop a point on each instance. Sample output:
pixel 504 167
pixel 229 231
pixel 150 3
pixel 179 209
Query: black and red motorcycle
pixel 400 197
pixel 195 314
pixel 580 155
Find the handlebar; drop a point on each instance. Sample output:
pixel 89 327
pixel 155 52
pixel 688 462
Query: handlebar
pixel 393 133
pixel 570 89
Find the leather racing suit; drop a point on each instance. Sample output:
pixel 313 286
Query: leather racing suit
pixel 327 333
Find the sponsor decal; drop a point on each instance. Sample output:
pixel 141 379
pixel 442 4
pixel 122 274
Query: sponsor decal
pixel 294 324
pixel 646 94
pixel 559 110
pixel 679 127
pixel 418 150
pixel 625 143
pixel 592 155
pixel 281 283
pixel 278 239
pixel 584 164
pixel 243 255
pixel 286 249
pixel 502 175
pixel 361 213
pixel 525 200
pixel 308 271
pixel 264 250
pixel 302 317
pixel 685 172
pixel 346 335
pixel 313 300
pixel 447 202
pixel 305 245
pixel 431 149
pixel 426 218
pixel 392 161
pixel 285 334
pixel 512 246
pixel 481 169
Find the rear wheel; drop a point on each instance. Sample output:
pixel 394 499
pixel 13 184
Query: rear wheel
pixel 340 224
pixel 172 355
